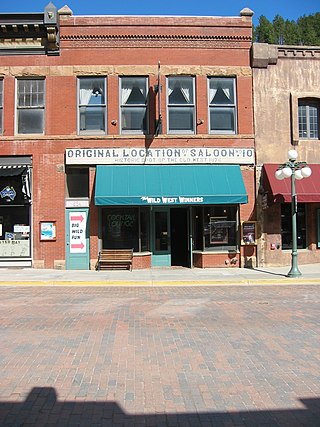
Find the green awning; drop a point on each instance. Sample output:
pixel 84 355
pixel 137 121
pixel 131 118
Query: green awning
pixel 169 185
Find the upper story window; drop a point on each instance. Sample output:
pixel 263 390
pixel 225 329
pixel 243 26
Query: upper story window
pixel 181 104
pixel 1 106
pixel 92 105
pixel 30 105
pixel 308 113
pixel 133 104
pixel 222 105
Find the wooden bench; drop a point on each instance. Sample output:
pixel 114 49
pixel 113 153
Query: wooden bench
pixel 115 259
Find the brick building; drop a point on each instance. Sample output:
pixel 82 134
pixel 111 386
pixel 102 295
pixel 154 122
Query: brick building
pixel 126 132
pixel 286 114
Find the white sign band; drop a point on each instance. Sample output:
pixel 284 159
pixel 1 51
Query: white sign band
pixel 177 155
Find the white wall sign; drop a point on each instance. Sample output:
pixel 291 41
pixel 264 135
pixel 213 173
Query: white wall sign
pixel 14 248
pixel 70 203
pixel 170 156
pixel 77 224
pixel 21 229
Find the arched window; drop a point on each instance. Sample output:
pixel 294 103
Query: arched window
pixel 308 113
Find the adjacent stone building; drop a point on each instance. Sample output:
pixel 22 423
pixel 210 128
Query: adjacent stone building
pixel 286 88
pixel 126 132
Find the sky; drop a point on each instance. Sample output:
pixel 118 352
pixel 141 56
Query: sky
pixel 288 9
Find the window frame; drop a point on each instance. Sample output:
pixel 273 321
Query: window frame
pixel 80 105
pixel 30 107
pixel 122 106
pixel 172 106
pixel 232 106
pixel 308 102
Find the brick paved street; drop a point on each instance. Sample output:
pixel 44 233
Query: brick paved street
pixel 170 356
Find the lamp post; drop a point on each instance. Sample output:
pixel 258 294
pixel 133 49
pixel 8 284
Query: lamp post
pixel 294 170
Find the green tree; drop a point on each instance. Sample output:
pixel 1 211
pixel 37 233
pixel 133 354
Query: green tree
pixel 265 32
pixel 291 33
pixel 307 31
pixel 279 29
pixel 304 31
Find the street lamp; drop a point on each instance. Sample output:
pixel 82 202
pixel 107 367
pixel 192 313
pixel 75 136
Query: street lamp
pixel 294 170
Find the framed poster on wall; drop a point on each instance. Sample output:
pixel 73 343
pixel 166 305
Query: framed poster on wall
pixel 249 233
pixel 47 230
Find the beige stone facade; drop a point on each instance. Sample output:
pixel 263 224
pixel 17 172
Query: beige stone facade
pixel 283 75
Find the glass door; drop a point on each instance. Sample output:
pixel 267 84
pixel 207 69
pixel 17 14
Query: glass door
pixel 161 246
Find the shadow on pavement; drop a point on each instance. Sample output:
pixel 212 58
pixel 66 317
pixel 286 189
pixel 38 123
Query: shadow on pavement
pixel 41 408
pixel 269 272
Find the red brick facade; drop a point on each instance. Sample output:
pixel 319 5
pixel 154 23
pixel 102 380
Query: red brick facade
pixel 111 47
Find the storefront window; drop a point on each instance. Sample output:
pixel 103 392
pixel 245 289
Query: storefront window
pixel 286 226
pixel 15 200
pixel 120 228
pixel 215 228
pixel 14 231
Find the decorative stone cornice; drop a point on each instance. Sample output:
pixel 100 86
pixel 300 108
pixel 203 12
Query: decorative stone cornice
pixel 152 40
pixel 308 52
pixel 30 33
pixel 86 37
pixel 264 54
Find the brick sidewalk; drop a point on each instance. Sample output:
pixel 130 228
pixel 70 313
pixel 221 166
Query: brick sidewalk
pixel 186 356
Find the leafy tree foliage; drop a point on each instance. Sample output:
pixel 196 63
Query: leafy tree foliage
pixel 305 31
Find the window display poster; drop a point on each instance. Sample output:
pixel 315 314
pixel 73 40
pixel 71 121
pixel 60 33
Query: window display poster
pixel 218 230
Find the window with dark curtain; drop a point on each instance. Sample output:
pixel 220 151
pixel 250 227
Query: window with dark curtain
pixel 222 105
pixel 133 104
pixel 92 105
pixel 181 104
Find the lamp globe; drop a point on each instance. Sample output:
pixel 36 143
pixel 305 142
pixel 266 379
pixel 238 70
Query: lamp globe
pixel 287 172
pixel 279 175
pixel 292 155
pixel 306 171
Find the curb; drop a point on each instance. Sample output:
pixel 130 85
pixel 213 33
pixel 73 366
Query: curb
pixel 159 283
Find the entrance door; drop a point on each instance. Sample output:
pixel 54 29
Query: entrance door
pixel 180 255
pixel 77 239
pixel 161 250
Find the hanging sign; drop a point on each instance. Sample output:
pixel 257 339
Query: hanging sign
pixel 78 222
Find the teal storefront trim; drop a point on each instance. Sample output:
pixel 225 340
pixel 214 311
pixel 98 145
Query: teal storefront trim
pixel 162 185
pixel 77 239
